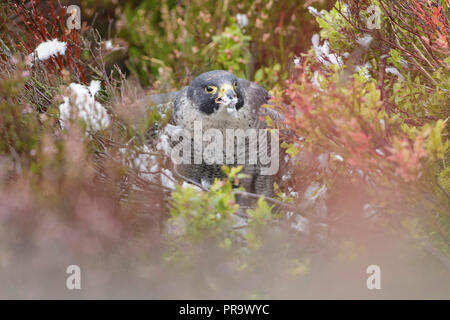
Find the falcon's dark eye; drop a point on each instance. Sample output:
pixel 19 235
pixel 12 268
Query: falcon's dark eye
pixel 211 89
pixel 235 84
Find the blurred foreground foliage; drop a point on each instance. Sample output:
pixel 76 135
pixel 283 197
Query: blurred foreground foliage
pixel 367 149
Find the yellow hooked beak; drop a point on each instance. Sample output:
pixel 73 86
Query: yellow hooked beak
pixel 226 93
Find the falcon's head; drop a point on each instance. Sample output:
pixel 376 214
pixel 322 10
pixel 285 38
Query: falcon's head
pixel 214 90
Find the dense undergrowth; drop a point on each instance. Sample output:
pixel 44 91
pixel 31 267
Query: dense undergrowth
pixel 367 149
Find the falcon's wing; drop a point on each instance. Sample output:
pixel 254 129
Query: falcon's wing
pixel 162 98
pixel 256 96
pixel 165 101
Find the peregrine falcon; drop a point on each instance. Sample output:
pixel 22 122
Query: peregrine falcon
pixel 220 101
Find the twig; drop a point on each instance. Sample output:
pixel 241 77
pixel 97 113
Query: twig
pixel 381 76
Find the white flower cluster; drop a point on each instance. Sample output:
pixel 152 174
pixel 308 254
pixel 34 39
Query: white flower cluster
pixel 241 20
pixel 323 54
pixel 164 139
pixel 314 197
pixel 109 45
pixel 316 13
pixel 84 107
pixel 317 79
pixel 364 70
pixel 146 164
pixel 140 160
pixel 314 191
pixel 365 40
pixel 167 179
pixel 395 72
pixel 50 48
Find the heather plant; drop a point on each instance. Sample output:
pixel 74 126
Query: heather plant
pixel 206 214
pixel 233 50
pixel 380 115
pixel 85 177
